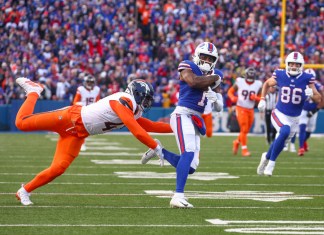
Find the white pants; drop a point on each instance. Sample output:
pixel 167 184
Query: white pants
pixel 278 119
pixel 309 122
pixel 187 136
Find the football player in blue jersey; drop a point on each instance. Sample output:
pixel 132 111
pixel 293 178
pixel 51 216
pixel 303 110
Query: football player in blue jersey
pixel 198 82
pixel 308 117
pixel 295 86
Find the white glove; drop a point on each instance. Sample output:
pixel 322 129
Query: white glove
pixel 262 105
pixel 309 92
pixel 211 95
pixel 159 153
pixel 219 103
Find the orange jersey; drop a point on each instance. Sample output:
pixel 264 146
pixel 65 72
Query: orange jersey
pixel 85 97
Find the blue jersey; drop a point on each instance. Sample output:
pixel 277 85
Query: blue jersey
pixel 291 96
pixel 309 103
pixel 190 97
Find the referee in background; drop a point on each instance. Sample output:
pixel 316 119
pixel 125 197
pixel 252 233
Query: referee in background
pixel 271 100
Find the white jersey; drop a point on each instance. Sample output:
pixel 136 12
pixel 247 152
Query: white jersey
pixel 99 117
pixel 245 90
pixel 88 97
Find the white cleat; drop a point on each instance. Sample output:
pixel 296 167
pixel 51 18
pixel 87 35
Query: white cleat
pixel 263 163
pixel 29 86
pixel 269 168
pixel 23 196
pixel 292 148
pixel 149 154
pixel 285 148
pixel 180 202
pixel 83 148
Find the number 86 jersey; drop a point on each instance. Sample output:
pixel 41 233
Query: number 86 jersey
pixel 291 96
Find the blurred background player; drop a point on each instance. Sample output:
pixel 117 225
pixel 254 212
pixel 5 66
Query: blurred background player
pixel 248 90
pixel 208 116
pixel 271 100
pixel 87 94
pixel 75 123
pixel 295 86
pixel 198 79
pixel 308 117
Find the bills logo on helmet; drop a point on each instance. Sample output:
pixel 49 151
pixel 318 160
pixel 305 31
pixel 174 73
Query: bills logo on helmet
pixel 295 55
pixel 210 47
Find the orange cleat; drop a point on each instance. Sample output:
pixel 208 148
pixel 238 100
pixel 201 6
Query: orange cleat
pixel 301 152
pixel 245 153
pixel 306 146
pixel 236 145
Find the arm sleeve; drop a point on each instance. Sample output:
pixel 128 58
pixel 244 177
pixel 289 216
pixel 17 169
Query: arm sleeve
pixel 77 98
pixel 158 127
pixel 127 117
pixel 231 93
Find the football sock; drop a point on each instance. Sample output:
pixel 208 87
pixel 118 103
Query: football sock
pixel 172 158
pixel 307 135
pixel 183 170
pixel 269 151
pixel 279 143
pixel 302 135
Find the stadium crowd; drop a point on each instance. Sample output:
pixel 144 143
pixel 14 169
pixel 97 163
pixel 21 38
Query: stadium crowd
pixel 57 42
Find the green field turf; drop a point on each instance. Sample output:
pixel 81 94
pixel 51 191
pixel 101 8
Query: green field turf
pixel 125 197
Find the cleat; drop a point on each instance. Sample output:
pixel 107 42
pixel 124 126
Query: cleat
pixel 301 152
pixel 245 153
pixel 292 148
pixel 180 202
pixel 263 163
pixel 29 86
pixel 23 196
pixel 236 145
pixel 83 148
pixel 149 154
pixel 285 148
pixel 306 146
pixel 269 168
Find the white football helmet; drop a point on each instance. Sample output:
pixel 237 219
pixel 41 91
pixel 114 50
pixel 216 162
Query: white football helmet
pixel 208 49
pixel 311 71
pixel 89 81
pixel 295 57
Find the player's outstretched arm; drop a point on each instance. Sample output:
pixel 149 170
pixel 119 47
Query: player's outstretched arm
pixel 198 82
pixel 151 126
pixel 127 117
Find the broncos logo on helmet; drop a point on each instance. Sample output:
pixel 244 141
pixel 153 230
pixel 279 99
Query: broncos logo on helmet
pixel 142 92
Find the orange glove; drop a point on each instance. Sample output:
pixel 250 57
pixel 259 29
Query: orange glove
pixel 254 97
pixel 234 99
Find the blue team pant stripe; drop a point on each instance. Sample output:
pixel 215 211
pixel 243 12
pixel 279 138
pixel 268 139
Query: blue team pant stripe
pixel 180 134
pixel 276 119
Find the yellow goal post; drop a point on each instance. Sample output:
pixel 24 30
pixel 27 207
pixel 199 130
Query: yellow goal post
pixel 282 42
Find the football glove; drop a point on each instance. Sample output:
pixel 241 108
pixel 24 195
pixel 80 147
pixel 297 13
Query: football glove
pixel 262 105
pixel 159 153
pixel 309 92
pixel 211 95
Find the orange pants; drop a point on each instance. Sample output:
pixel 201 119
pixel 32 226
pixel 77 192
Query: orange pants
pixel 245 118
pixel 208 119
pixel 67 123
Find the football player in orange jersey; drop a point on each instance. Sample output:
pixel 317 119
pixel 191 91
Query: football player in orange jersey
pixel 75 123
pixel 87 94
pixel 248 92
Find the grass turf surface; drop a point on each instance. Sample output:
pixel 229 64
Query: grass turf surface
pixel 92 198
